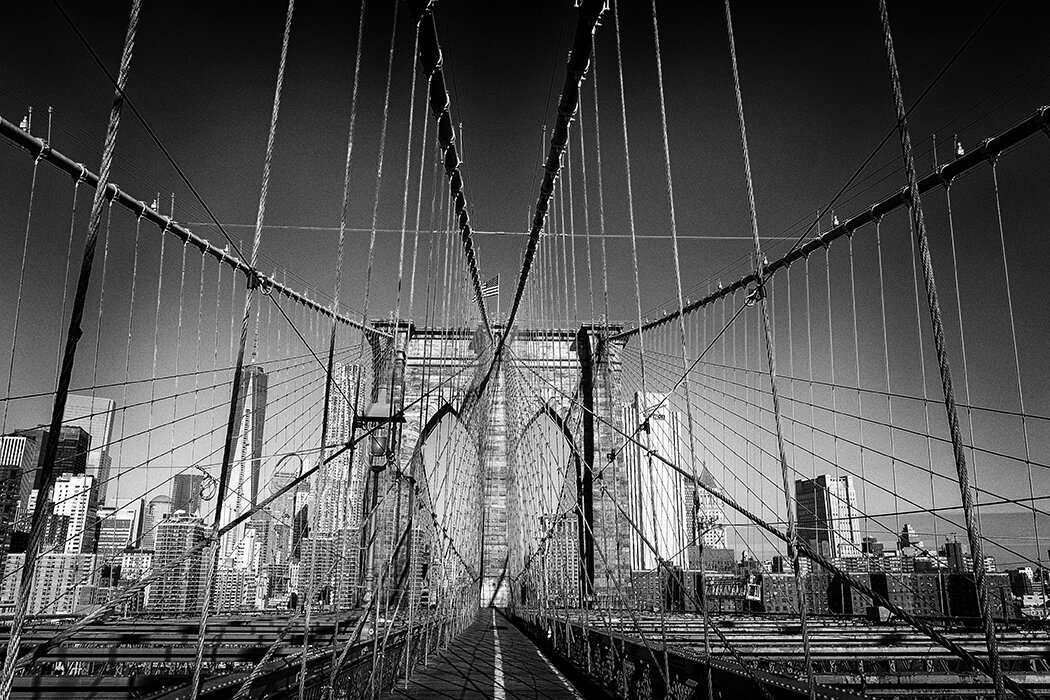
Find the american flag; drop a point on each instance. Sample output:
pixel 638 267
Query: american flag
pixel 490 288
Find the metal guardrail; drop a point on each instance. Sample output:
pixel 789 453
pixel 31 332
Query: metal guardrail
pixel 627 668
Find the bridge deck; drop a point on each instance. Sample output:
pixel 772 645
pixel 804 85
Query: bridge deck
pixel 491 659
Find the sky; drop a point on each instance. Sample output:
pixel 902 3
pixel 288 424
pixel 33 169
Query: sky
pixel 816 95
pixel 814 80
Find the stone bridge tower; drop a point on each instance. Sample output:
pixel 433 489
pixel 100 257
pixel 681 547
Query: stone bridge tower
pixel 441 375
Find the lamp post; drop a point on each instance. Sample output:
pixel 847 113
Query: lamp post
pixel 379 418
pixel 703 603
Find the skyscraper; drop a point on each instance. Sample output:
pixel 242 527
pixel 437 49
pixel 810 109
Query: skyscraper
pixel 75 497
pixel 826 511
pixel 18 459
pixel 656 493
pixel 158 508
pixel 118 529
pixel 334 496
pixel 186 493
pixel 74 443
pixel 58 581
pixel 95 415
pixel 179 590
pixel 242 490
pixel 704 514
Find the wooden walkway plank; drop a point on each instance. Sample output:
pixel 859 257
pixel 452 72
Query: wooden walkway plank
pixel 490 659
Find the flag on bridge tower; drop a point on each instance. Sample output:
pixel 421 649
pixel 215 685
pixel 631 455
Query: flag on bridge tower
pixel 490 288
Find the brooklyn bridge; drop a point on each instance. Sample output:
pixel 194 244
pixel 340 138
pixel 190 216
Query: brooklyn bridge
pixel 445 349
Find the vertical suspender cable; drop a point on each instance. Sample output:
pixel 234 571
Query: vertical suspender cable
pixel 681 310
pixel 65 278
pixel 331 339
pixel 976 545
pixel 789 501
pixel 36 534
pixel 1017 371
pixel 21 280
pixel 379 168
pixel 231 425
pixel 587 221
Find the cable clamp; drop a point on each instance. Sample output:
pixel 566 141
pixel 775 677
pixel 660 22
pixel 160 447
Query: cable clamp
pixel 44 148
pixel 263 283
pixel 877 218
pixel 946 182
pixel 987 153
pixel 83 175
pixel 756 294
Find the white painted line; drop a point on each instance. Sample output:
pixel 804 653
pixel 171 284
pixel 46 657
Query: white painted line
pixel 556 672
pixel 498 691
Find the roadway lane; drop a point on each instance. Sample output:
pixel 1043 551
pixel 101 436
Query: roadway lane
pixel 491 659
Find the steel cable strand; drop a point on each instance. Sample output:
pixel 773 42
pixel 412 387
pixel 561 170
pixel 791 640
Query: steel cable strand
pixel 430 61
pixel 335 301
pixel 253 282
pixel 196 366
pixel 587 219
pixel 1017 369
pixel 131 320
pixel 917 219
pixel 678 287
pixel 419 209
pixel 21 279
pixel 330 378
pixel 590 12
pixel 73 336
pixel 65 277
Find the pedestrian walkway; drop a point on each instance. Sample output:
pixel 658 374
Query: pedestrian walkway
pixel 491 659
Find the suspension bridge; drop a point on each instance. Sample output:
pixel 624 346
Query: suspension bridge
pixel 604 461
